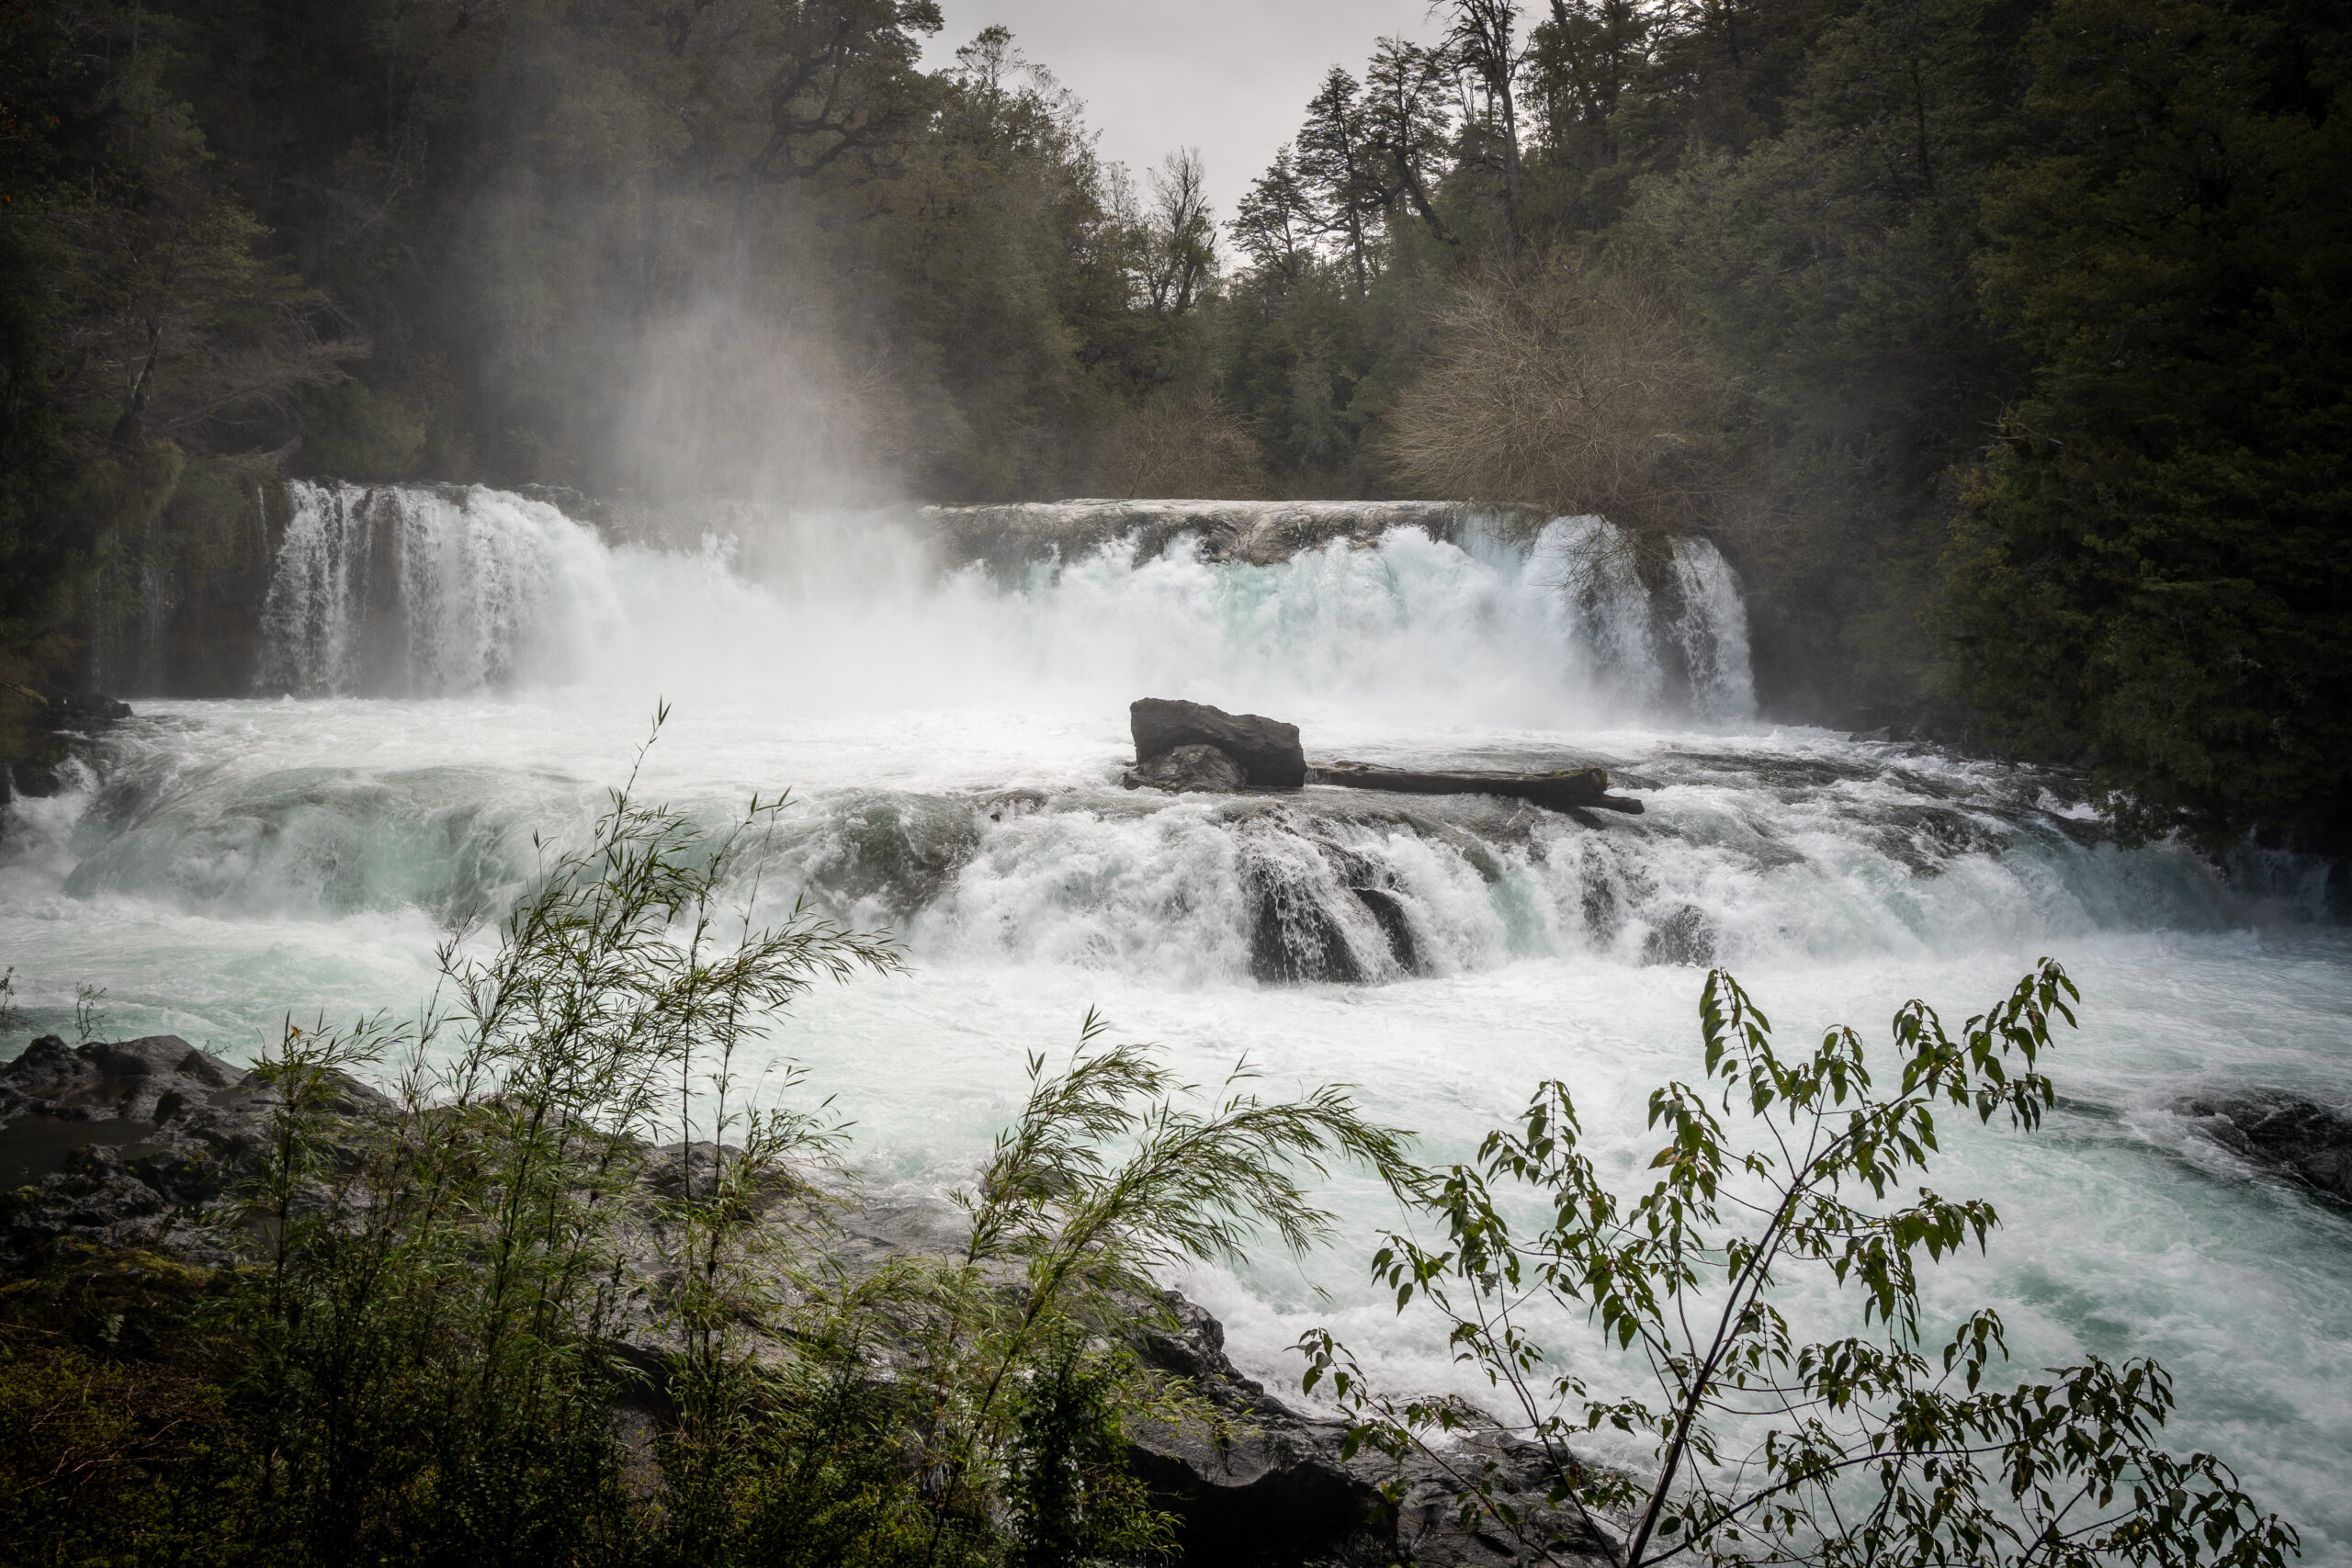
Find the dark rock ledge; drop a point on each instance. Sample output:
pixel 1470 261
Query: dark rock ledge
pixel 137 1145
pixel 1265 750
pixel 63 744
pixel 2295 1137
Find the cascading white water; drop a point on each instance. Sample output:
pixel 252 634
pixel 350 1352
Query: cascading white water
pixel 1711 630
pixel 405 591
pixel 953 735
pixel 429 591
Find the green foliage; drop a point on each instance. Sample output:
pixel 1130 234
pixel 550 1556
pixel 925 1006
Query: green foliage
pixel 117 1442
pixel 433 1353
pixel 1079 1227
pixel 1829 265
pixel 1878 1444
pixel 43 547
pixel 147 322
pixel 743 247
pixel 753 248
pixel 2105 236
pixel 1071 1498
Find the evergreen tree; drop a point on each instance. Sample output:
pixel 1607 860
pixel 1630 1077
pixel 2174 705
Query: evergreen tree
pixel 1274 224
pixel 2151 571
pixel 1335 166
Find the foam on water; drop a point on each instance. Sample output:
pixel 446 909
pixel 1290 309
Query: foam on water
pixel 954 745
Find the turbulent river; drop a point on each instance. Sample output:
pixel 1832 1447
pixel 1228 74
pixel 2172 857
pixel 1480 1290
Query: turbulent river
pixel 448 672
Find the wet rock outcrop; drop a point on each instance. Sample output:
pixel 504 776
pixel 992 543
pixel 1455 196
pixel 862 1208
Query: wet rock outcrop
pixel 60 734
pixel 1259 1482
pixel 1254 532
pixel 1266 749
pixel 1321 911
pixel 1206 769
pixel 129 1143
pixel 2308 1141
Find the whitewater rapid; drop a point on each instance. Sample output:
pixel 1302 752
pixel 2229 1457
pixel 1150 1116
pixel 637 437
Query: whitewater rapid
pixel 450 672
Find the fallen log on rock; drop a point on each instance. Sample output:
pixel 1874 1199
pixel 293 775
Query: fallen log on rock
pixel 1570 790
pixel 1266 749
pixel 1191 746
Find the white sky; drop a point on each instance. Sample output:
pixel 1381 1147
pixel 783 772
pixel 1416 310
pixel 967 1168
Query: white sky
pixel 1230 78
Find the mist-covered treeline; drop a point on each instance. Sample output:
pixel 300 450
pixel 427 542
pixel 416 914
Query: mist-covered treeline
pixel 2002 342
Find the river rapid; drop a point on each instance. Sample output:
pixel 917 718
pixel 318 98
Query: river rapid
pixel 450 673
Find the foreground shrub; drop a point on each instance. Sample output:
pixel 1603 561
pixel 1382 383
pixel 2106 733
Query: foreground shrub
pixel 463 1282
pixel 118 1444
pixel 1874 1448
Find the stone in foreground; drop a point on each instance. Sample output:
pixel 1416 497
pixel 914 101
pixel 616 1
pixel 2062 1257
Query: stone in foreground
pixel 1262 1485
pixel 124 1143
pixel 1266 749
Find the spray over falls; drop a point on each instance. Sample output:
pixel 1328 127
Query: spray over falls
pixel 1439 635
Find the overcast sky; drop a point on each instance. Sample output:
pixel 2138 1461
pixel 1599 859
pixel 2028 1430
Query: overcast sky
pixel 1230 78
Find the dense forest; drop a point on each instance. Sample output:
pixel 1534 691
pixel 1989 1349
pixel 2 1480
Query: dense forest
pixel 2004 344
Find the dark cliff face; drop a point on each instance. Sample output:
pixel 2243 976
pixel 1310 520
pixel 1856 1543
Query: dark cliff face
pixel 174 608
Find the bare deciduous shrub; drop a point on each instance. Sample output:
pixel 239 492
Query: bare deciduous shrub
pixel 1581 390
pixel 1174 444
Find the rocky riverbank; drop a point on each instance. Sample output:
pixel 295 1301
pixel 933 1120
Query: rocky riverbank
pixel 141 1146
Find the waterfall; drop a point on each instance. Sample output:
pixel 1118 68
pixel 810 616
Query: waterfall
pixel 944 696
pixel 1710 632
pixel 1419 609
pixel 1444 635
pixel 418 590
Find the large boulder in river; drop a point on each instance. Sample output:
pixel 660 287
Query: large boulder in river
pixel 1202 768
pixel 1267 749
pixel 2307 1141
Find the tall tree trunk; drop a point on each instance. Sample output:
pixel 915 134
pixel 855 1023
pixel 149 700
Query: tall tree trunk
pixel 132 424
